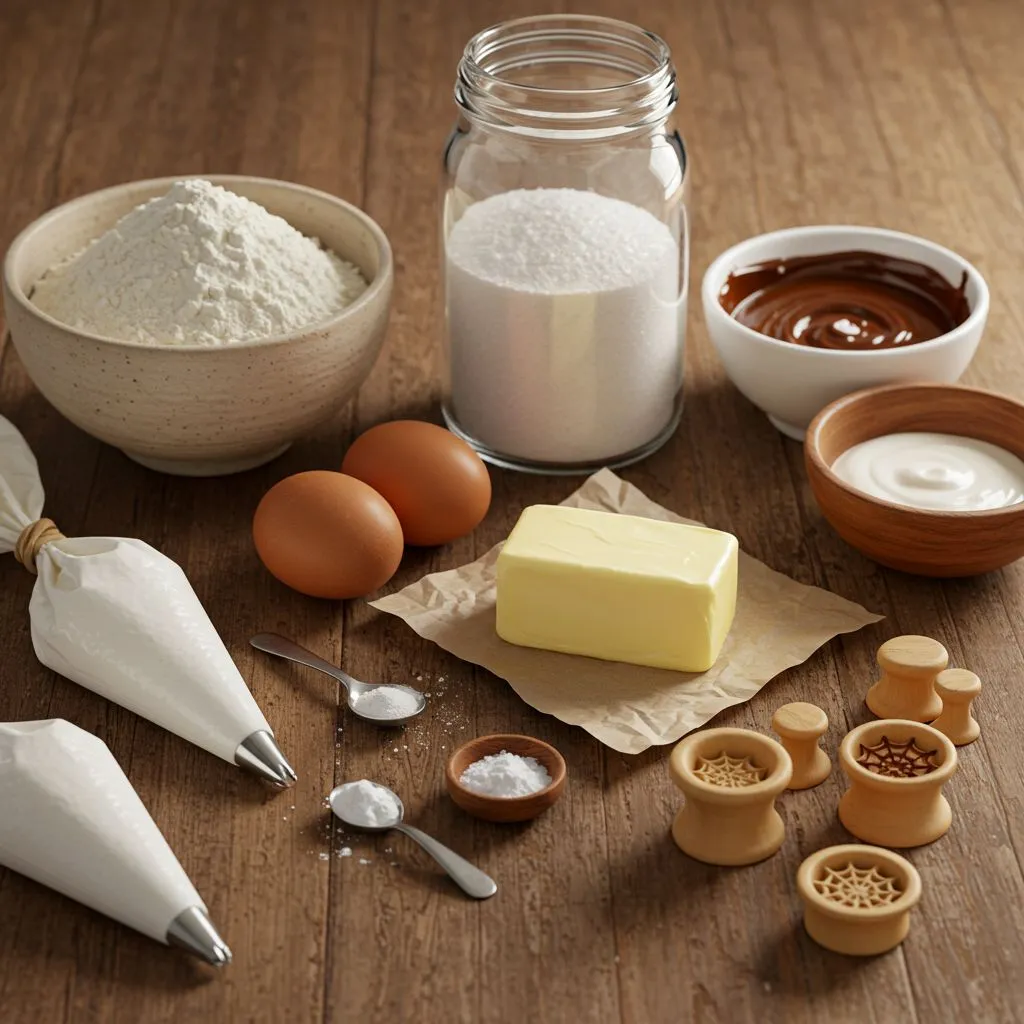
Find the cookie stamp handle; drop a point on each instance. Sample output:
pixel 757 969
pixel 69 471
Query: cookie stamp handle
pixel 957 687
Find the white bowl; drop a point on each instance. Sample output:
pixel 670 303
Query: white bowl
pixel 793 383
pixel 190 409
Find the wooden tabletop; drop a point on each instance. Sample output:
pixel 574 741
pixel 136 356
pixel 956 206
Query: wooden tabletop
pixel 906 115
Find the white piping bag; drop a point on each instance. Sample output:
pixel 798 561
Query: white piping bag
pixel 70 819
pixel 119 618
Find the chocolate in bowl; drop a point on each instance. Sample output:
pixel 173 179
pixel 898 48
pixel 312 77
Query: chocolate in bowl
pixel 854 300
pixel 793 382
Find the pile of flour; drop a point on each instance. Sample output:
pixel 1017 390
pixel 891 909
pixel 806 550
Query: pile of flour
pixel 198 266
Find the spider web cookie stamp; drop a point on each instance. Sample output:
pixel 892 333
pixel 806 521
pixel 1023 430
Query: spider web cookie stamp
pixel 731 772
pixel 859 888
pixel 896 769
pixel 730 779
pixel 857 899
pixel 897 760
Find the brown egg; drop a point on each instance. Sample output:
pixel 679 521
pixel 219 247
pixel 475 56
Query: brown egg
pixel 327 535
pixel 437 485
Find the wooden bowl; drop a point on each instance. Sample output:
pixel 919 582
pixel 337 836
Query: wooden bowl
pixel 498 808
pixel 924 542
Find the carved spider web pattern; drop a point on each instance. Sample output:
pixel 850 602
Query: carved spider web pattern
pixel 859 888
pixel 897 760
pixel 731 772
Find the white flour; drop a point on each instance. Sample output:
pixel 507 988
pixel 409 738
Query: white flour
pixel 198 266
pixel 506 775
pixel 565 324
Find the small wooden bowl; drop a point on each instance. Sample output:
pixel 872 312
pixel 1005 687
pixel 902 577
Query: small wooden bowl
pixel 913 540
pixel 497 808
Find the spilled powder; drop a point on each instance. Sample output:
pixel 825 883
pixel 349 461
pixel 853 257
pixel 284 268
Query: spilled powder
pixel 447 722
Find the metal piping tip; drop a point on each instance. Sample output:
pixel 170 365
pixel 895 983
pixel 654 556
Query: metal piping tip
pixel 193 931
pixel 260 754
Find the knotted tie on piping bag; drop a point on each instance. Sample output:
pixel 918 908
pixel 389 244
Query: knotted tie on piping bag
pixel 118 617
pixel 70 819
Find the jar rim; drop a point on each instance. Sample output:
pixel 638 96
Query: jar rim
pixel 572 25
pixel 486 88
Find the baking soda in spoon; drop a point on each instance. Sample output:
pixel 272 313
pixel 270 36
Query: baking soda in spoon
pixel 388 703
pixel 70 819
pixel 121 619
pixel 366 804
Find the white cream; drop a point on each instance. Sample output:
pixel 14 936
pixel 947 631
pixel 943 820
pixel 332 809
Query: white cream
pixel 70 819
pixel 936 472
pixel 120 618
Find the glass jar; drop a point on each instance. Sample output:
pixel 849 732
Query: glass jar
pixel 566 245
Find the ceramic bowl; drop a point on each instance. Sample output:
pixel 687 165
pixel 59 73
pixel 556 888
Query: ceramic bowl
pixel 505 809
pixel 792 383
pixel 913 540
pixel 190 409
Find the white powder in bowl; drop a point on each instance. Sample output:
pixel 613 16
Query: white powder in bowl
pixel 365 803
pixel 387 702
pixel 565 324
pixel 506 775
pixel 198 266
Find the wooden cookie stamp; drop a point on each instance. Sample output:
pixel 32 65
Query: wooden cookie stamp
pixel 800 726
pixel 906 688
pixel 730 778
pixel 897 769
pixel 957 688
pixel 857 899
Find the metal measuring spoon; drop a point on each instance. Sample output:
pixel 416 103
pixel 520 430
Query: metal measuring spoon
pixel 272 643
pixel 469 879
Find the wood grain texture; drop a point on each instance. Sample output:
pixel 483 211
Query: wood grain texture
pixel 905 115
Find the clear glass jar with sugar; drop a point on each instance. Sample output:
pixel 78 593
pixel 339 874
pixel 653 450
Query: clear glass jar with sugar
pixel 566 245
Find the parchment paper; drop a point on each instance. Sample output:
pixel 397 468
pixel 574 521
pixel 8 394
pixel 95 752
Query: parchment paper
pixel 779 623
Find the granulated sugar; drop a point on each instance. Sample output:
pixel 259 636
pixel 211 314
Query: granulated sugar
pixel 506 775
pixel 565 324
pixel 198 266
pixel 387 702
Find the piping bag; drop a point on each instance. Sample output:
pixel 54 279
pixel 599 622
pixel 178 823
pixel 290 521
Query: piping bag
pixel 121 619
pixel 70 819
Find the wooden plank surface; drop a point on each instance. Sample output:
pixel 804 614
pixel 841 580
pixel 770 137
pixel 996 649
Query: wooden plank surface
pixel 902 114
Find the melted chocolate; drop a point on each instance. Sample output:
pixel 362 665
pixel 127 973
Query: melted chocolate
pixel 845 300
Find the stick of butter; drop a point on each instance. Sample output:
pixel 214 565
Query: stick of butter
pixel 617 587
